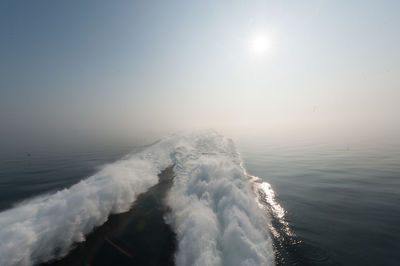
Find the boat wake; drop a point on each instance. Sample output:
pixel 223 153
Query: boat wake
pixel 216 211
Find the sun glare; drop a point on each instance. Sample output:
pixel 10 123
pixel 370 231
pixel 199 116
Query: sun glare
pixel 259 44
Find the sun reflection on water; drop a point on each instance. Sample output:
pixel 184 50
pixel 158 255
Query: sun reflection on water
pixel 278 225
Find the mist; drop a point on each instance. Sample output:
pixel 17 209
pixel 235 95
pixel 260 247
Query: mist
pixel 129 72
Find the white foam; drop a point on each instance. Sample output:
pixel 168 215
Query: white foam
pixel 214 208
pixel 46 227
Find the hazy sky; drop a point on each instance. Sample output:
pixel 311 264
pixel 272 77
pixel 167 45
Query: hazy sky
pixel 116 68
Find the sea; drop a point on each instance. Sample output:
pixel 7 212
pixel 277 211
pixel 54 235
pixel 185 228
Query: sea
pixel 338 202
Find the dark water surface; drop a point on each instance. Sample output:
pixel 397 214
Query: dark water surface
pixel 137 237
pixel 27 174
pixel 342 201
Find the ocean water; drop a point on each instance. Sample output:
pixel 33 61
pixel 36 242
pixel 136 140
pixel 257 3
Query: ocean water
pixel 342 201
pixel 28 173
pixel 327 204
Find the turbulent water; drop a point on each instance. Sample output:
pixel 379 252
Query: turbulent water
pixel 215 207
pixel 188 199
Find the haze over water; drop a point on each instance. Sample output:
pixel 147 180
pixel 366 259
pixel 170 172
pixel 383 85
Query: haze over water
pixel 110 72
pixel 308 92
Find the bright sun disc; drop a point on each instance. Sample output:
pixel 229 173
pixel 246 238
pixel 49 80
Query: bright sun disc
pixel 259 44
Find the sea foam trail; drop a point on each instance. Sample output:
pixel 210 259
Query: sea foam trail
pixel 214 210
pixel 46 227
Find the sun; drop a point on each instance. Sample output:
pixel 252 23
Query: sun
pixel 259 44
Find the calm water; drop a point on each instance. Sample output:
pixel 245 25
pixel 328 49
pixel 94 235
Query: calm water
pixel 342 202
pixel 27 174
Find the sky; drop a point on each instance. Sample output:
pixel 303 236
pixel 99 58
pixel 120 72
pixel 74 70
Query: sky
pixel 84 70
